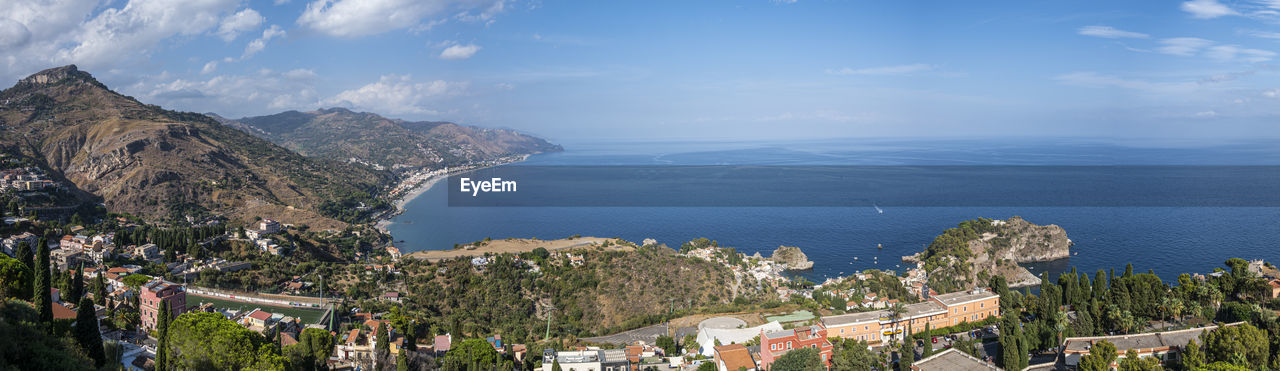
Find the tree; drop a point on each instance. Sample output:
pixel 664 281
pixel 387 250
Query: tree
pixel 928 345
pixel 802 359
pixel 906 355
pixel 1192 357
pixel 312 350
pixel 1223 344
pixel 854 355
pixel 1099 357
pixel 472 354
pixel 555 365
pixel 42 296
pixel 705 366
pixel 28 346
pixel 27 258
pixel 87 334
pixel 162 337
pixel 100 289
pixel 382 349
pixel 202 341
pixel 1133 362
pixel 15 278
pixel 667 344
pixel 1010 337
pixel 77 286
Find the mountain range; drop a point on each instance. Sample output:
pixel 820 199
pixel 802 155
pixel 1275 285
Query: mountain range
pixel 161 164
pixel 384 143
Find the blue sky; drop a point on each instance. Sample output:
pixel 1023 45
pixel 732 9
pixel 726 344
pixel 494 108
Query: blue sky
pixel 743 70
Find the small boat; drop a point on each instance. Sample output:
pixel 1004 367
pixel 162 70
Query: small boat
pixel 879 246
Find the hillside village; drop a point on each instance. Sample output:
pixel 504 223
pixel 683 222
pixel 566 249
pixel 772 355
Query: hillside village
pixel 132 280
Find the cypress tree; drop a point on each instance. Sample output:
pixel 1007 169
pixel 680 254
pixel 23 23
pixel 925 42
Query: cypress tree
pixel 42 297
pixel 906 354
pixel 27 258
pixel 100 290
pixel 1099 286
pixel 928 343
pixel 162 338
pixel 87 335
pixel 77 285
pixel 1009 339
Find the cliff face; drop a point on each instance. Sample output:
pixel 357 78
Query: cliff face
pixel 792 257
pixel 145 160
pixel 967 256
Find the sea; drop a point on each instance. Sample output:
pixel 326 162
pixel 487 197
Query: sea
pixel 1169 206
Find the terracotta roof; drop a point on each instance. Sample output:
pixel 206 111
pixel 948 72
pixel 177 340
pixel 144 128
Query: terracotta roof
pixel 260 315
pixel 287 340
pixel 62 312
pixel 117 270
pixel 353 336
pixel 735 356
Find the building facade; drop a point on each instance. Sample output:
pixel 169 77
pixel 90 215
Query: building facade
pixel 776 344
pixel 937 311
pixel 156 292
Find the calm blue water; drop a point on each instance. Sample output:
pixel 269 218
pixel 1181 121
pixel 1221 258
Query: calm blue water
pixel 1170 240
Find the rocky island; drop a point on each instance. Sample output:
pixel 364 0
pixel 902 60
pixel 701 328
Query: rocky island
pixel 968 255
pixel 791 258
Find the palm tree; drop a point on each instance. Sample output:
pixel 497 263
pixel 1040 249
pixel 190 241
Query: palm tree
pixel 895 313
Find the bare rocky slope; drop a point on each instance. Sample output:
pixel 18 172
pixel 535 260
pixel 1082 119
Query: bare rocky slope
pixel 968 255
pixel 142 159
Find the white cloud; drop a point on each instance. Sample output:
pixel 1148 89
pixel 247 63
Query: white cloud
pixel 115 34
pixel 1095 80
pixel 1207 114
pixel 13 34
pixel 1265 34
pixel 1227 53
pixel 209 67
pixel 257 93
pixel 1184 46
pixel 1110 32
pixel 396 94
pixel 281 2
pixel 354 18
pixel 1271 93
pixel 243 21
pixel 301 74
pixel 1206 9
pixel 260 43
pixel 459 51
pixel 887 70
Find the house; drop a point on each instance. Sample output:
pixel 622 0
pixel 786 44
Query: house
pixel 952 360
pixel 775 344
pixel 149 252
pixel 153 293
pixel 391 296
pixel 707 337
pixel 599 360
pixel 734 357
pixel 1163 345
pixel 1275 288
pixel 258 320
pixel 11 243
pixel 442 344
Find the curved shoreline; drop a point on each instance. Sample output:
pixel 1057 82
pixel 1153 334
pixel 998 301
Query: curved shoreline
pixel 426 185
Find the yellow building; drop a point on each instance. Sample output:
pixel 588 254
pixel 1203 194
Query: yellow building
pixel 938 311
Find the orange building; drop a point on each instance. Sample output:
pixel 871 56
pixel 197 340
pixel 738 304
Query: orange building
pixel 938 311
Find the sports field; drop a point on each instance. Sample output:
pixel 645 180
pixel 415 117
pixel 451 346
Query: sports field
pixel 305 315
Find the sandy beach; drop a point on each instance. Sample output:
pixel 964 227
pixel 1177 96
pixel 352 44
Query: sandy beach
pixel 424 186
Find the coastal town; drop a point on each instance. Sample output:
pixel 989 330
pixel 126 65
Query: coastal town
pixel 135 287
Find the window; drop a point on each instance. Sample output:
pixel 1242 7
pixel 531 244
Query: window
pixel 788 345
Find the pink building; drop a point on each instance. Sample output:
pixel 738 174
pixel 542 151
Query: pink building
pixel 775 344
pixel 155 292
